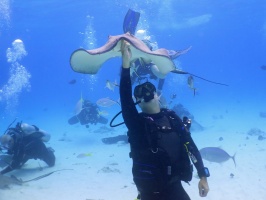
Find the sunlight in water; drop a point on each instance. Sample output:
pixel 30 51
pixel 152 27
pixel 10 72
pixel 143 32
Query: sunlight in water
pixel 89 81
pixel 90 43
pixel 89 34
pixel 19 76
pixel 4 12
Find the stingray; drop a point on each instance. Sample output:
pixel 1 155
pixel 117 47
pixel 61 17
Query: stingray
pixel 90 61
pixel 5 181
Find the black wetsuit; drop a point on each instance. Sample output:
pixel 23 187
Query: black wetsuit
pixel 143 164
pixel 28 147
pixel 88 115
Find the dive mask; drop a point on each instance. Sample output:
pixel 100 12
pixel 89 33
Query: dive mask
pixel 145 91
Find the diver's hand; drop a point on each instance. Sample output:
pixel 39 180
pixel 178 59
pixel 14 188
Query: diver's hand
pixel 126 54
pixel 203 187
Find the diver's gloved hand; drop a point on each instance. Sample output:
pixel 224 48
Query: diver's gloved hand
pixel 187 122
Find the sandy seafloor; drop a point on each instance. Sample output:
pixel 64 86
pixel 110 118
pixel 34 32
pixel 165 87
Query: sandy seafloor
pixel 106 173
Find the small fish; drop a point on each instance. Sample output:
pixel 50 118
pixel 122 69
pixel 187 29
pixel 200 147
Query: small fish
pixel 190 82
pixel 133 69
pixel 216 154
pixel 106 102
pixel 72 82
pixel 79 106
pixel 111 85
pixel 103 113
pixel 83 155
pixel 263 67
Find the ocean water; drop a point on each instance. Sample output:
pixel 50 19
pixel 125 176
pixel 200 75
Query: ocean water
pixel 228 40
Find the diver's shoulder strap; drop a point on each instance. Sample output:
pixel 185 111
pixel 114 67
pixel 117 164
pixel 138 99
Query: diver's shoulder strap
pixel 175 121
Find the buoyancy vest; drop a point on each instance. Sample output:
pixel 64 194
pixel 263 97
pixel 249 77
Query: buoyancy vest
pixel 165 145
pixel 23 130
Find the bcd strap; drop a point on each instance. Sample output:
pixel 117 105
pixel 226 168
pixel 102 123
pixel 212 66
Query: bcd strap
pixel 151 134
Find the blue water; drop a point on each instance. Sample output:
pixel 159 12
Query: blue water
pixel 228 40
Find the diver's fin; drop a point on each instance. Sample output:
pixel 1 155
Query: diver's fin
pixel 73 120
pixel 131 21
pixel 115 139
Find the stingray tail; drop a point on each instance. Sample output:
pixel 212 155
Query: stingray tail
pixel 45 175
pixel 178 71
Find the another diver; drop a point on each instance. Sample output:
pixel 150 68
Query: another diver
pixel 25 142
pixel 88 113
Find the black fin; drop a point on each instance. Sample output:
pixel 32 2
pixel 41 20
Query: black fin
pixel 131 21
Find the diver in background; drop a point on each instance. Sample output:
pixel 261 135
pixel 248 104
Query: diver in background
pixel 89 114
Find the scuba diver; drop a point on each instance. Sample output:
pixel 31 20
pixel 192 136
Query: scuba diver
pixel 87 113
pixel 24 142
pixel 161 144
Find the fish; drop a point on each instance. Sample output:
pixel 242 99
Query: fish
pixel 72 82
pixel 79 105
pixel 103 113
pixel 111 85
pixel 83 155
pixel 133 69
pixel 263 67
pixel 190 82
pixel 6 181
pixel 216 154
pixel 106 102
